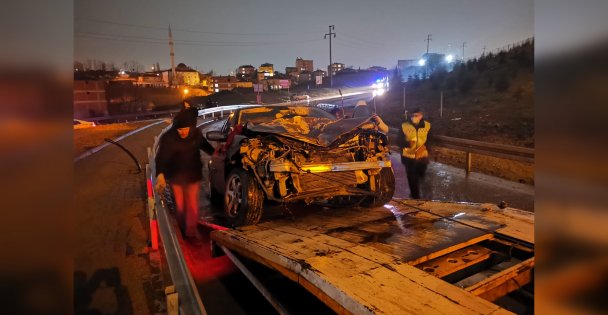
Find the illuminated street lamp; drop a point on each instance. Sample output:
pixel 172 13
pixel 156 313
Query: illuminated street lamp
pixel 449 58
pixel 421 62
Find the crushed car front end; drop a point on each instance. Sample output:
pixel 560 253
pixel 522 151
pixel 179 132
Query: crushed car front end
pixel 290 169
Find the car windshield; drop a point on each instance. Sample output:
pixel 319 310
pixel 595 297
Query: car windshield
pixel 269 114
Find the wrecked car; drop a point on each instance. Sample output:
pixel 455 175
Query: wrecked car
pixel 297 153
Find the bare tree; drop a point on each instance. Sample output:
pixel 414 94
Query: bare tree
pixel 135 66
pixel 78 66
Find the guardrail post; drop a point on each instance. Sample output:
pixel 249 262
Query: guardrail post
pixel 468 163
pixel 172 300
pixel 151 209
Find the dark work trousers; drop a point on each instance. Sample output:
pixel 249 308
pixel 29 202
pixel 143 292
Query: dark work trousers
pixel 415 170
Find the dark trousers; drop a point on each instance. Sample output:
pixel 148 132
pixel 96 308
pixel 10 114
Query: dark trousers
pixel 415 170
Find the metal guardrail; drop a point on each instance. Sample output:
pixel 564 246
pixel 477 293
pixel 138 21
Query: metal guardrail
pixel 134 116
pixel 188 299
pixel 183 289
pixel 503 151
pixel 204 112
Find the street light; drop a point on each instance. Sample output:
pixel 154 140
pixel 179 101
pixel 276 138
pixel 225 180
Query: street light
pixel 449 58
pixel 421 62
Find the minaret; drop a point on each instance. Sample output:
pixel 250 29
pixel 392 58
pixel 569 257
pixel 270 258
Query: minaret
pixel 174 78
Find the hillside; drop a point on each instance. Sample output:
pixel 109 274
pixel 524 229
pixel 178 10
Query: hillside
pixel 488 99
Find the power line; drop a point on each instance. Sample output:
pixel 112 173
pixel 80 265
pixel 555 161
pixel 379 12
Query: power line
pixel 146 39
pixel 345 42
pixel 188 30
pixel 353 38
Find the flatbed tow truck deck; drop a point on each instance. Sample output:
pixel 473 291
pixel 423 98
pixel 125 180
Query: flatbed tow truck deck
pixel 408 256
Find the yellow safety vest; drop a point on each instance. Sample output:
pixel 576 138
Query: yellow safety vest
pixel 416 138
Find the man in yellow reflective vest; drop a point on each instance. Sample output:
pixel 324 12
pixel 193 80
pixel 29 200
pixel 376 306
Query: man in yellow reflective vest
pixel 414 154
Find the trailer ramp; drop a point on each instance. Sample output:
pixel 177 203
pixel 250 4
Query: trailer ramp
pixel 407 257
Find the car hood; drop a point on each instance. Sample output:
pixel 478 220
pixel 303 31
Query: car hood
pixel 318 131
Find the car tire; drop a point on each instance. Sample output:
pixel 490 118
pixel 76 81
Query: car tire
pixel 385 180
pixel 243 199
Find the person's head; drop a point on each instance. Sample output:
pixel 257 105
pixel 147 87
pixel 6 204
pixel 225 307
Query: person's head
pixel 183 122
pixel 416 116
pixel 183 132
pixel 185 105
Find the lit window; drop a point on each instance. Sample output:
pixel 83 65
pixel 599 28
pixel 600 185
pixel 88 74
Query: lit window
pixel 217 90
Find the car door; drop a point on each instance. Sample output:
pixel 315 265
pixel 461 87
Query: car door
pixel 217 167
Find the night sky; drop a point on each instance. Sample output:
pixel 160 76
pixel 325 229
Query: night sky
pixel 221 35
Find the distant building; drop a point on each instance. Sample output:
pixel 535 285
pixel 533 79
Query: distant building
pixel 424 66
pixel 277 84
pixel 205 82
pixel 184 76
pixel 244 84
pixel 304 65
pixel 319 72
pixel 408 68
pixel 377 68
pixel 335 68
pixel 304 76
pixel 151 79
pixel 228 83
pixel 290 70
pixel 90 98
pixel 267 69
pixel 246 73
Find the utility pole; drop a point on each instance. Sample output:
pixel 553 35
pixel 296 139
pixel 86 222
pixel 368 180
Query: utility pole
pixel 404 99
pixel 428 40
pixel 484 51
pixel 463 44
pixel 441 105
pixel 331 72
pixel 174 79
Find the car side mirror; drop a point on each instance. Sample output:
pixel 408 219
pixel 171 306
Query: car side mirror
pixel 216 136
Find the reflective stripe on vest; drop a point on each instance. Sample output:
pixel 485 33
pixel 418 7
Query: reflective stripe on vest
pixel 418 137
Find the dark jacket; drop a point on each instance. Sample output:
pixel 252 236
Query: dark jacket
pixel 179 159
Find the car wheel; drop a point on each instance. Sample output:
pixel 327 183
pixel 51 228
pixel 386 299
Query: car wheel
pixel 385 183
pixel 243 199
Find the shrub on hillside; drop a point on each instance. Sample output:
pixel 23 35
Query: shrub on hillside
pixel 471 64
pixel 502 83
pixel 450 83
pixel 502 57
pixel 482 64
pixel 518 94
pixel 437 79
pixel 466 84
pixel 490 80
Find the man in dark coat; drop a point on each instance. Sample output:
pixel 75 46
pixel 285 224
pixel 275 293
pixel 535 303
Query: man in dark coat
pixel 178 162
